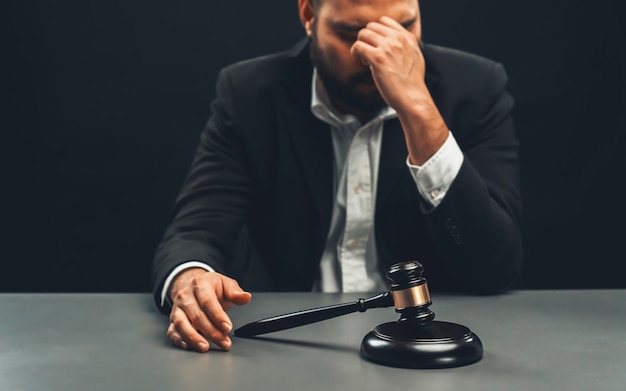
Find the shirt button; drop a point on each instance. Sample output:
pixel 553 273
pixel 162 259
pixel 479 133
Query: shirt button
pixel 353 243
pixel 357 189
pixel 434 193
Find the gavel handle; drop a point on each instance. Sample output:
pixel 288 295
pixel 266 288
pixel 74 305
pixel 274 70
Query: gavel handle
pixel 301 318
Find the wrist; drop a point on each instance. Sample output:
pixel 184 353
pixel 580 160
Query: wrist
pixel 425 131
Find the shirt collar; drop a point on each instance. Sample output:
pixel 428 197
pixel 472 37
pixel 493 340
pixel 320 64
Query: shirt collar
pixel 323 110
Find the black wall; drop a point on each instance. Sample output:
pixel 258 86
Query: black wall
pixel 103 102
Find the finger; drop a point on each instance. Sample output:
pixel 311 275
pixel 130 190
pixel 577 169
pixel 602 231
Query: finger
pixel 175 338
pixel 189 334
pixel 381 29
pixel 190 304
pixel 409 33
pixel 370 37
pixel 213 309
pixel 391 23
pixel 365 52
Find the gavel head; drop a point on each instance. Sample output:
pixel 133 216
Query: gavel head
pixel 410 293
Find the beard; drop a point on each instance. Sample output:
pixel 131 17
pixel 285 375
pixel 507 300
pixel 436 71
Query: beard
pixel 346 93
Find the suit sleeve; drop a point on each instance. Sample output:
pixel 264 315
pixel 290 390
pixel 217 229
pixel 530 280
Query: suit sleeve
pixel 211 206
pixel 477 226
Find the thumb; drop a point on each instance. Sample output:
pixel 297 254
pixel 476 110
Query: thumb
pixel 239 297
pixel 232 292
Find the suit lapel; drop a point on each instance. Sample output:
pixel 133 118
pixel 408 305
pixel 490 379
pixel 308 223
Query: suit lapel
pixel 312 144
pixel 393 155
pixel 309 137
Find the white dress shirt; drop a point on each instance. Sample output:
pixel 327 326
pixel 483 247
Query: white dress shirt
pixel 349 261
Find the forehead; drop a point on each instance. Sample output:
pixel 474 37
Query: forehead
pixel 361 12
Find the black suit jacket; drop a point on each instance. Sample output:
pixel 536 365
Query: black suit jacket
pixel 264 163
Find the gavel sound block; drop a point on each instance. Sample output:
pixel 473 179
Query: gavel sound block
pixel 415 340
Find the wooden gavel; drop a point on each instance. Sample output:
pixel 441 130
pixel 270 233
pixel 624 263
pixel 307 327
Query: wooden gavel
pixel 408 293
pixel 415 340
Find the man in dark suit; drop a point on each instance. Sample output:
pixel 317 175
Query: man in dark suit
pixel 358 148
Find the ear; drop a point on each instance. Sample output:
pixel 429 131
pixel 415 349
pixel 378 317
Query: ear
pixel 305 10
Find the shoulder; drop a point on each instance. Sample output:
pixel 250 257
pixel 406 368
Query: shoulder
pixel 460 76
pixel 258 67
pixel 265 71
pixel 444 59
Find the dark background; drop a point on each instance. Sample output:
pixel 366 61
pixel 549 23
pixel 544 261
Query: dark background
pixel 103 102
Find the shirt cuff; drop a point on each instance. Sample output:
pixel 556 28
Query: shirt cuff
pixel 174 273
pixel 433 178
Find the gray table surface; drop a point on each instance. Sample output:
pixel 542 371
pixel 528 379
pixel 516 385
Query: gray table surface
pixel 533 340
